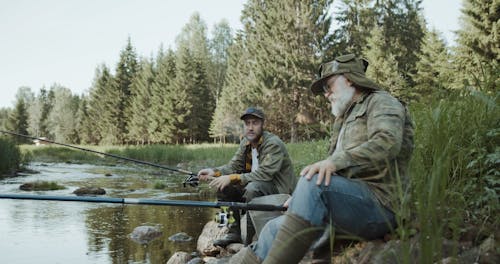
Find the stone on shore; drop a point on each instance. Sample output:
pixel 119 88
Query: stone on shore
pixel 180 237
pixel 210 232
pixel 179 257
pixel 89 191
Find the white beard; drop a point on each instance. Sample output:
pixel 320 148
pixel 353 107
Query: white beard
pixel 342 99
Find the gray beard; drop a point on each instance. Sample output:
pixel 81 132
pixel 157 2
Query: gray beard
pixel 342 101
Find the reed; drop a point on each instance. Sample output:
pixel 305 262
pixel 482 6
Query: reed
pixel 10 157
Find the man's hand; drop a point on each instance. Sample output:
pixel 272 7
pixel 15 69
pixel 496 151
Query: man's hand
pixel 206 174
pixel 323 168
pixel 220 182
pixel 287 202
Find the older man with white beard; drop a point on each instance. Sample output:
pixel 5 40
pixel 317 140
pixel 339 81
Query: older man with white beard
pixel 354 188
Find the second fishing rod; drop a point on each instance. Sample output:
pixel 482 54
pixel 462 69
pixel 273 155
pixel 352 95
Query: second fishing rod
pixel 192 178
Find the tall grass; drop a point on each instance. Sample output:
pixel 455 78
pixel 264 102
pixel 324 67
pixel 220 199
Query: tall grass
pixel 454 169
pixel 10 157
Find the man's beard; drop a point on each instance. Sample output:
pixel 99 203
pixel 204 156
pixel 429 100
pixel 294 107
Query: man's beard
pixel 342 99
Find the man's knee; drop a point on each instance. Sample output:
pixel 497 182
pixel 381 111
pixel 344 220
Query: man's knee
pixel 256 189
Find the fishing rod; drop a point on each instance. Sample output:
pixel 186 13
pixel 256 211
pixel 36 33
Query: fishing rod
pixel 92 199
pixel 192 178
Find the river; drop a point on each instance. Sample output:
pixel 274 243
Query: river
pixel 75 232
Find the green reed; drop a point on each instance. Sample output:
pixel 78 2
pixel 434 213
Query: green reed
pixel 454 180
pixel 10 157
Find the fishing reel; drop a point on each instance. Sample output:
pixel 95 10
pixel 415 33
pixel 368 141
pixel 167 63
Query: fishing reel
pixel 224 217
pixel 192 180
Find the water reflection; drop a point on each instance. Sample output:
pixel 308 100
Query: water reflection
pixel 73 232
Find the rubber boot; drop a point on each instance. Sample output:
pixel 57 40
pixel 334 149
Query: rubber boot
pixel 250 230
pixel 234 234
pixel 292 241
pixel 245 256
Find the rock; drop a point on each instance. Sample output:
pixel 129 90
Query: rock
pixel 89 191
pixel 234 248
pixel 27 186
pixel 180 237
pixel 107 174
pixel 145 234
pixel 179 257
pixel 210 232
pixel 196 260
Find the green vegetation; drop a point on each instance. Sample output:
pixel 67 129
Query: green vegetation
pixel 42 186
pixel 10 157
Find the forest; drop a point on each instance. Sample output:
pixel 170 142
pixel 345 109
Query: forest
pixel 194 92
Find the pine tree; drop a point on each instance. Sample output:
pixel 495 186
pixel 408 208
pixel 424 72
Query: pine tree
pixel 478 52
pixel 355 19
pixel 18 120
pixel 141 104
pixel 84 124
pixel 104 109
pixel 383 67
pixel 126 70
pixel 403 30
pixel 195 78
pixel 161 126
pixel 433 70
pixel 286 41
pixel 219 44
pixel 182 106
pixel 235 94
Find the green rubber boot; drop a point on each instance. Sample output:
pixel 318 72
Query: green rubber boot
pixel 245 256
pixel 292 241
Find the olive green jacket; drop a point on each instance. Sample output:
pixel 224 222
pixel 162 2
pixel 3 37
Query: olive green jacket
pixel 376 144
pixel 275 164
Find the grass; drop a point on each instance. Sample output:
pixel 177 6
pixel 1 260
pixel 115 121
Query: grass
pixel 42 186
pixel 10 157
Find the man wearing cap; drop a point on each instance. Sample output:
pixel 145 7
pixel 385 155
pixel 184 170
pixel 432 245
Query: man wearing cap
pixel 354 188
pixel 261 166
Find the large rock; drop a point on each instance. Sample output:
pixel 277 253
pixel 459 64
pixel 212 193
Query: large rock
pixel 89 191
pixel 145 234
pixel 210 232
pixel 179 257
pixel 180 237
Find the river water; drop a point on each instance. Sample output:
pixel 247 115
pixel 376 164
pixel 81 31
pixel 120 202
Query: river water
pixel 76 232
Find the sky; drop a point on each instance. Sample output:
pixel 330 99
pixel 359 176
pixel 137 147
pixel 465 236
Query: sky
pixel 59 41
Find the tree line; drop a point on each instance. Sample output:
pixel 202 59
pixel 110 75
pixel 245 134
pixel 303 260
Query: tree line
pixel 195 92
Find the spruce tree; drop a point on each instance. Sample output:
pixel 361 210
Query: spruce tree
pixel 141 104
pixel 478 51
pixel 126 70
pixel 162 126
pixel 182 106
pixel 286 41
pixel 383 67
pixel 219 44
pixel 433 70
pixel 18 120
pixel 104 109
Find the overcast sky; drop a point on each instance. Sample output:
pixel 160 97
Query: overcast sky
pixel 59 41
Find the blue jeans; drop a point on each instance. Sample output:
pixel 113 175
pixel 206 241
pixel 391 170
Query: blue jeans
pixel 349 204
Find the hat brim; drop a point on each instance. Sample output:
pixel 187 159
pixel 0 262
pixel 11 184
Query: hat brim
pixel 357 78
pixel 245 116
pixel 361 80
pixel 317 86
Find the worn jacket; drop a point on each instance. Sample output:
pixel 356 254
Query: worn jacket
pixel 274 164
pixel 376 143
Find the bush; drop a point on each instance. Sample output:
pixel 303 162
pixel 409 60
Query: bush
pixel 10 157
